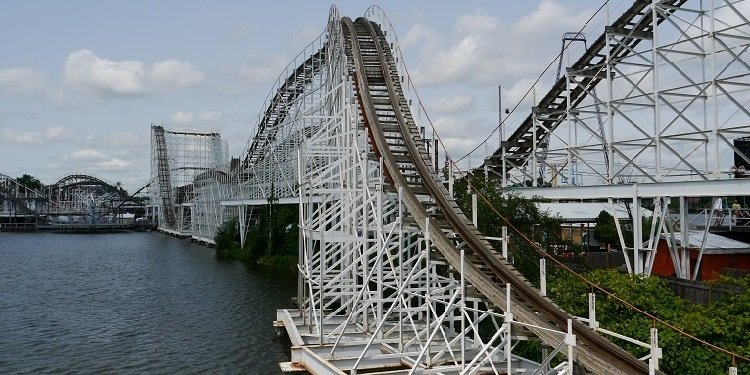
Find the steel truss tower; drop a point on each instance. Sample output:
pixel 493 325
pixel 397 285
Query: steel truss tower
pixel 178 159
pixel 670 77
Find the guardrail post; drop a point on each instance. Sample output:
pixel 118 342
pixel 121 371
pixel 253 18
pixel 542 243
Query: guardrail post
pixel 450 179
pixel 653 362
pixel 543 276
pixel 474 213
pixel 570 339
pixel 505 242
pixel 593 324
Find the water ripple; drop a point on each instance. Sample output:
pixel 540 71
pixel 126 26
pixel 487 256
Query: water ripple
pixel 133 303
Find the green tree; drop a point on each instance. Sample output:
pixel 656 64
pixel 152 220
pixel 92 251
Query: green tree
pixel 605 230
pixel 30 182
pixel 497 208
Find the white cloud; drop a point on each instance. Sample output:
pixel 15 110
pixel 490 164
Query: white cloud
pixel 260 68
pixel 453 104
pixel 479 21
pixel 22 81
pixel 182 117
pixel 173 75
pixel 549 16
pixel 240 31
pixel 305 35
pixel 51 134
pixel 420 36
pixel 119 140
pixel 113 164
pixel 95 160
pixel 58 133
pixel 481 51
pixel 449 127
pixel 85 70
pixel 87 77
pixel 85 155
pixel 88 73
pixel 201 119
pixel 455 63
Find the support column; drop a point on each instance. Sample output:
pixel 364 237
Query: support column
pixel 428 303
pixel 637 232
pixel 656 97
pixel 242 218
pixel 508 336
pixel 683 250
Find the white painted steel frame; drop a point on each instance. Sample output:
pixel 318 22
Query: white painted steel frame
pixel 195 159
pixel 673 105
pixel 365 266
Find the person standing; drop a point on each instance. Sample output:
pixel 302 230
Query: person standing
pixel 736 211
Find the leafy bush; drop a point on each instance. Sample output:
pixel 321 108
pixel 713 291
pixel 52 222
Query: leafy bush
pixel 724 323
pixel 275 234
pixel 227 238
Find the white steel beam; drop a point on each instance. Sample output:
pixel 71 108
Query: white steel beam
pixel 711 188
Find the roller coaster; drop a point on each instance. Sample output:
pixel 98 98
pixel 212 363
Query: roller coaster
pixel 74 198
pixel 407 164
pixel 393 276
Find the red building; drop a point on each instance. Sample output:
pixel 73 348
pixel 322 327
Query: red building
pixel 721 255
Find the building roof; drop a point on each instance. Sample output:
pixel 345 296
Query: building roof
pixel 715 244
pixel 582 212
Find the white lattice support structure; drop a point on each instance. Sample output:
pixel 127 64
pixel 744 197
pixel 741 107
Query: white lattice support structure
pixel 373 293
pixel 182 163
pixel 293 112
pixel 673 95
pixel 210 188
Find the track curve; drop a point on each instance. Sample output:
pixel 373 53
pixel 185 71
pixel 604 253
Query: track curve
pixel 394 136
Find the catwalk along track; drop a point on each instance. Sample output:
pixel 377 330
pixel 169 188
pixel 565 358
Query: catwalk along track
pixel 395 138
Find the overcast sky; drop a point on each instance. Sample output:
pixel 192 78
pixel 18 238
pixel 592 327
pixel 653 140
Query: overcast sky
pixel 81 82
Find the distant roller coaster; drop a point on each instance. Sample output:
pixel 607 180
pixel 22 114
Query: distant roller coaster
pixel 74 198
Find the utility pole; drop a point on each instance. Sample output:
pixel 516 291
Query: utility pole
pixel 500 115
pixel 501 134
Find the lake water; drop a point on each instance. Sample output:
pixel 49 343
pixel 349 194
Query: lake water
pixel 135 303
